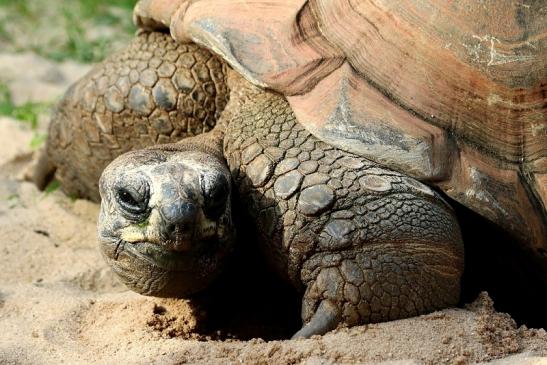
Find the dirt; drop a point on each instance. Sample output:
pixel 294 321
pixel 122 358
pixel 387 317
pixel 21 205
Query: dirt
pixel 60 303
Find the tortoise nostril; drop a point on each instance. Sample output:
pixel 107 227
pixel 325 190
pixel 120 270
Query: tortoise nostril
pixel 179 221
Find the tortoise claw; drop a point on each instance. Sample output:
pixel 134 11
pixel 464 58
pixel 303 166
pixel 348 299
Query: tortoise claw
pixel 325 319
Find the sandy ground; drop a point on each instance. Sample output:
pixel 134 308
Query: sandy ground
pixel 59 302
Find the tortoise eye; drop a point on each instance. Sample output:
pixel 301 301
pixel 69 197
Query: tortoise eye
pixel 133 201
pixel 127 199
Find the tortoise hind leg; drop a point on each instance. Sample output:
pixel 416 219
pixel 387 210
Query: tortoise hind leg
pixel 155 91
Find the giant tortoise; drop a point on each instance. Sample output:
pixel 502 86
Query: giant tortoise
pixel 339 126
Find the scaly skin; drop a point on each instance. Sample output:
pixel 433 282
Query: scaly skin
pixel 153 92
pixel 374 244
pixel 363 243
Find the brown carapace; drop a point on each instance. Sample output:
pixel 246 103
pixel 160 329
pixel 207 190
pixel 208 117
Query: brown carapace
pixel 451 93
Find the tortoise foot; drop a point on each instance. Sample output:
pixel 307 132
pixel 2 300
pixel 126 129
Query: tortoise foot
pixel 326 318
pixel 377 283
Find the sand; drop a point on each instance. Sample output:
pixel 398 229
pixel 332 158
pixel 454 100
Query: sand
pixel 60 303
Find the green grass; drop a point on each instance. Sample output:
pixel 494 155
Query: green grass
pixel 84 31
pixel 143 224
pixel 81 30
pixel 77 46
pixel 13 200
pixel 53 185
pixel 92 8
pixel 26 113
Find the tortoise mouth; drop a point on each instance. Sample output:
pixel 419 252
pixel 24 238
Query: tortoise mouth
pixel 156 255
pixel 152 269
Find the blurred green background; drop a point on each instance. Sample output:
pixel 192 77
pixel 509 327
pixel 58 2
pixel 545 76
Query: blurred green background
pixel 48 35
pixel 83 31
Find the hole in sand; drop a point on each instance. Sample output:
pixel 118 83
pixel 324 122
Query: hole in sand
pixel 494 262
pixel 158 309
pixel 249 301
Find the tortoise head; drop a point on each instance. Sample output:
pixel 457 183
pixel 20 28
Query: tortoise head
pixel 165 222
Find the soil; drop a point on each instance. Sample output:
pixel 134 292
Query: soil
pixel 60 303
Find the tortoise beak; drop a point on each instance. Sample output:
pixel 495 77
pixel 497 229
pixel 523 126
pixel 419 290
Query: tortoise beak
pixel 179 225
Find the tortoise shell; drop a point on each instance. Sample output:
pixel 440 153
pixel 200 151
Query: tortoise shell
pixel 451 93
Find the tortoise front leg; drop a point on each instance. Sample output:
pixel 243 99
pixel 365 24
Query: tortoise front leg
pixel 385 255
pixel 379 282
pixel 155 91
pixel 366 244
